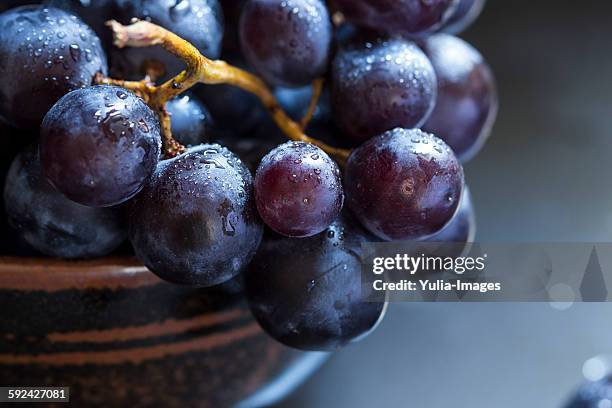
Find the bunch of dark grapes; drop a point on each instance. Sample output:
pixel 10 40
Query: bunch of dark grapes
pixel 409 99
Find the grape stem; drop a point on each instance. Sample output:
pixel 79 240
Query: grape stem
pixel 204 70
pixel 317 89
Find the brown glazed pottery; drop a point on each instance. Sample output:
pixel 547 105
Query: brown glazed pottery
pixel 120 337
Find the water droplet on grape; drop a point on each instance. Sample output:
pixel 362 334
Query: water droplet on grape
pixel 75 52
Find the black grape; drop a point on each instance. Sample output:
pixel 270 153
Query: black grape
pixel 462 228
pixel 195 221
pixel 286 41
pixel 298 189
pixel 403 184
pixel 234 110
pixel 467 96
pixel 253 146
pixel 44 54
pixel 464 15
pixel 294 101
pixel 307 293
pixel 93 12
pixel 13 142
pixel 191 121
pixel 198 21
pixel 99 145
pixel 405 17
pixel 50 222
pixel 595 394
pixel 377 86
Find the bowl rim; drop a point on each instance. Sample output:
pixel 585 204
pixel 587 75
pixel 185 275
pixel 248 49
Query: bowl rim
pixel 53 275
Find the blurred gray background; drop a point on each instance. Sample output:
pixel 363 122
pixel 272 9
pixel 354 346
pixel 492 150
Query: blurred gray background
pixel 545 175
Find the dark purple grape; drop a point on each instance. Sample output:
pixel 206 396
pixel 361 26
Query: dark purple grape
pixel 467 96
pixel 307 293
pixel 298 190
pixel 347 32
pixel 191 122
pixel 195 221
pixel 286 41
pixel 463 16
pixel 99 145
pixel 462 228
pixel 93 12
pixel 294 101
pixel 235 111
pixel 13 142
pixel 50 222
pixel 593 394
pixel 403 184
pixel 198 21
pixel 44 54
pixel 405 17
pixel 253 147
pixel 378 86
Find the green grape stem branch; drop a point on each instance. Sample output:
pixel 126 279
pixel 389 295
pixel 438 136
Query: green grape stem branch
pixel 203 70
